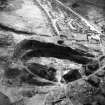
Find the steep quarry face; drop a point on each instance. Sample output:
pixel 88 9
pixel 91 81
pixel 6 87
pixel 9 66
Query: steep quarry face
pixel 52 52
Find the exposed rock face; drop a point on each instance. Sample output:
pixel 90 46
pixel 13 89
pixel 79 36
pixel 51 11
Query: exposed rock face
pixel 51 54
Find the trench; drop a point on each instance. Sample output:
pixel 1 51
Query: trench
pixel 44 49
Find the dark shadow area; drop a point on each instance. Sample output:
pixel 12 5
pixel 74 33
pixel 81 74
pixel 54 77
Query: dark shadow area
pixel 94 81
pixel 75 5
pixel 43 71
pixel 91 68
pixel 72 75
pixel 12 73
pixel 42 49
pixel 40 71
pixel 3 4
pixel 6 28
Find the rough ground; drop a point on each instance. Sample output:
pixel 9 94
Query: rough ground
pixel 52 52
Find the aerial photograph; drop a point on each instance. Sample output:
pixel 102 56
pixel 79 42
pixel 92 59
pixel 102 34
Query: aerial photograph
pixel 52 52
